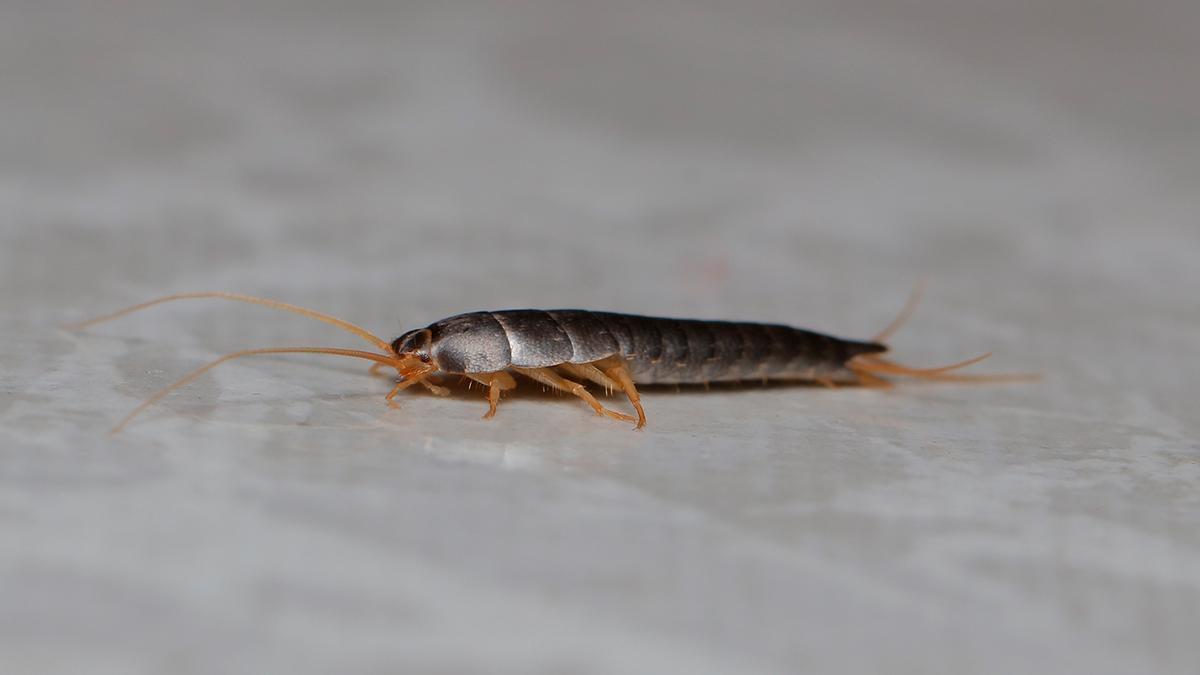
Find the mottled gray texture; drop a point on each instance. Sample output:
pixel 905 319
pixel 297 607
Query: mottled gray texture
pixel 802 163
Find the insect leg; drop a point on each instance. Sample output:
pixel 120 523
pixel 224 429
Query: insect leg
pixel 408 382
pixel 589 372
pixel 615 368
pixel 551 379
pixel 400 386
pixel 496 382
pixel 433 388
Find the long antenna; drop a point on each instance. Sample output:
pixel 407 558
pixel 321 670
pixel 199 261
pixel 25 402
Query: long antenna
pixel 162 393
pixel 274 304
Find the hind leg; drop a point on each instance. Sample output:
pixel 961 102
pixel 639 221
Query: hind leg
pixel 589 372
pixel 552 379
pixel 614 367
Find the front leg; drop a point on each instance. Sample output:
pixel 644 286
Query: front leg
pixel 435 389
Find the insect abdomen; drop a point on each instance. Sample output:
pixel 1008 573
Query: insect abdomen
pixel 687 351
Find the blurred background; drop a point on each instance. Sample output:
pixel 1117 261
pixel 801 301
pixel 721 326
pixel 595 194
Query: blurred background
pixel 801 162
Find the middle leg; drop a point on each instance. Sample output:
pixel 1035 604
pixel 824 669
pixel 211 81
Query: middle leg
pixel 496 382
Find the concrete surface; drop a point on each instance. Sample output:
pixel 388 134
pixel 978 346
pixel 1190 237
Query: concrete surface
pixel 391 163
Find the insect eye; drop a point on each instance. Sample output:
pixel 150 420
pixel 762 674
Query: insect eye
pixel 424 357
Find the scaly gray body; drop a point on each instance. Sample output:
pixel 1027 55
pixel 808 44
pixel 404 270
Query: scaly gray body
pixel 658 350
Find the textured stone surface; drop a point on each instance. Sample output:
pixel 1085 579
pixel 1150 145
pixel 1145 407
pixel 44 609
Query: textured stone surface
pixel 393 164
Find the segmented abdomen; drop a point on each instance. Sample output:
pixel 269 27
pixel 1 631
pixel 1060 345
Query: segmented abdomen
pixel 686 351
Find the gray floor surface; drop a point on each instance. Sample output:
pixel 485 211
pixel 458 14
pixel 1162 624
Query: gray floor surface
pixel 393 163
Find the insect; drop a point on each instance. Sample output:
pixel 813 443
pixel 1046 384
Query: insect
pixel 563 348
